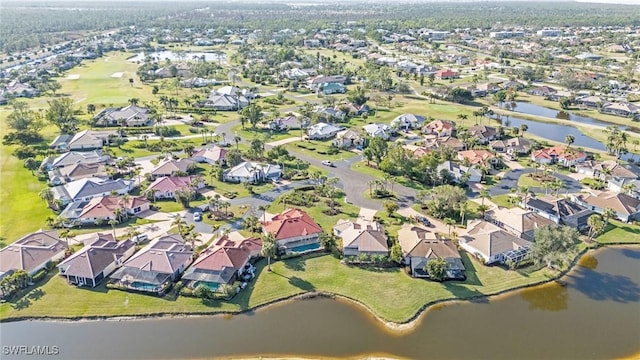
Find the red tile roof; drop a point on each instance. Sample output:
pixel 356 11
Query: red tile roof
pixel 291 223
pixel 558 151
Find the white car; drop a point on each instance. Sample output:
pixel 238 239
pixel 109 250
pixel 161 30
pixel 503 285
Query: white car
pixel 197 216
pixel 327 163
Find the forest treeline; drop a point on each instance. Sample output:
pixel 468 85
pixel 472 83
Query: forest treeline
pixel 27 24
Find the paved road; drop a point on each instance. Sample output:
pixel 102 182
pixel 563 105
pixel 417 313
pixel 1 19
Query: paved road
pixel 510 181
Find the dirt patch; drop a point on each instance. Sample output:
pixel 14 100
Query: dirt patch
pixel 117 75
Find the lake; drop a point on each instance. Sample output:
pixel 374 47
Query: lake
pixel 178 56
pixel 595 316
pixel 532 109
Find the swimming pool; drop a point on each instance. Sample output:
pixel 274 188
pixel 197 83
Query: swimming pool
pixel 305 248
pixel 137 285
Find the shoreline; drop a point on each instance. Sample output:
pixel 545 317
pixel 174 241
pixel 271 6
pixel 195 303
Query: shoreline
pixel 391 326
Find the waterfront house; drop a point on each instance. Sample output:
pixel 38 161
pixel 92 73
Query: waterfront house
pixel 94 262
pixel 483 133
pixel 440 128
pixel 492 244
pixel 252 172
pixel 559 154
pixel 514 146
pixel 625 109
pixel 156 266
pixel 545 91
pixel 608 169
pixel 517 221
pixel 420 246
pixel 361 237
pixel 294 230
pixel 31 252
pixel 560 211
pixel 223 262
pixel 627 208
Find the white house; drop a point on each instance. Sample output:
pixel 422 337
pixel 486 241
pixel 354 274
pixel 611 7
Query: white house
pixel 252 172
pixel 382 131
pixel 491 243
pixel 407 121
pixel 322 131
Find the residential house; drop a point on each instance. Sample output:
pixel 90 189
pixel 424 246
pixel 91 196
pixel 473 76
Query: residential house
pixel 314 82
pixel 514 146
pixel 483 133
pixel 481 90
pixel 630 187
pixel 322 131
pixel 61 143
pixel 420 246
pixel 171 166
pixel 347 139
pixel 166 187
pixel 382 131
pixel 224 102
pixel 560 210
pixel 131 115
pixel 362 237
pixel 440 128
pixel 154 268
pixel 492 244
pixel 460 172
pixel 605 170
pixel 290 122
pixel 477 157
pixel 17 89
pixel 545 91
pixel 181 70
pixel 407 121
pixel 329 114
pixel 355 109
pixel 97 260
pixel 223 262
pixel 90 139
pixel 214 155
pixel 73 158
pixel 331 88
pixel 593 102
pixel 447 74
pixel 31 253
pixel 295 231
pixel 559 154
pixel 627 208
pixel 517 221
pixel 63 175
pixel 625 109
pixel 252 172
pixel 104 209
pixel 89 188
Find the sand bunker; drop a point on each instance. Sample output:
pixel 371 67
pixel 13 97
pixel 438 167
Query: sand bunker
pixel 117 75
pixel 73 77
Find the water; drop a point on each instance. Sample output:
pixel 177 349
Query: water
pixel 175 56
pixel 596 316
pixel 532 109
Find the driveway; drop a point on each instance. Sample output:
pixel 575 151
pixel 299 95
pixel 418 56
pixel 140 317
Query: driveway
pixel 510 181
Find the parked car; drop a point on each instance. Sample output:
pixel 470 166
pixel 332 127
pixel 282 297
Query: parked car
pixel 327 163
pixel 424 221
pixel 140 238
pixel 197 216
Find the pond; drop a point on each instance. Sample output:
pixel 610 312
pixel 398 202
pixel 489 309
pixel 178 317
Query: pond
pixel 178 56
pixel 532 109
pixel 596 315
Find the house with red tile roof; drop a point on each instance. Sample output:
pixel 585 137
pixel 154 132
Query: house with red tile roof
pixel 559 154
pixel 627 208
pixel 166 187
pixel 31 253
pixel 105 208
pixel 477 157
pixel 224 262
pixel 294 230
pixel 439 128
pixel 447 74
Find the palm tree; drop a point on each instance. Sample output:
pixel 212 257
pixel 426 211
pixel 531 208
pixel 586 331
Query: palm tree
pixel 596 225
pixel 179 221
pixel 569 139
pixel 629 188
pixel 464 208
pixel 608 214
pixel 524 128
pixel 113 223
pixel 449 222
pixel 462 118
pixel 483 209
pixel 47 195
pixel 237 140
pixel 269 248
pixel 484 194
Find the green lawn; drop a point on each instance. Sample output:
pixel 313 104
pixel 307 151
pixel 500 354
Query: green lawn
pixel 263 134
pixel 502 200
pixel 362 167
pixel 389 293
pixel 620 233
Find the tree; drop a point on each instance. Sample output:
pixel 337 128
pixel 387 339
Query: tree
pixel 445 201
pixel 483 209
pixel 391 207
pixel 524 128
pixel 500 97
pixel 449 222
pixel 376 150
pixel 134 101
pixel 203 292
pixel 553 246
pixel 328 241
pixel 396 252
pixel 22 117
pixel 252 114
pixel 569 139
pixel 596 225
pixel 269 248
pixel 61 114
pixel 47 195
pixel 462 118
pixel 608 214
pixel 459 95
pixel 251 223
pixel 113 223
pixel 484 194
pixel 437 269
pixel 237 139
pixel 464 208
pixel 565 103
pixel 31 164
pixel 256 148
pixel 357 96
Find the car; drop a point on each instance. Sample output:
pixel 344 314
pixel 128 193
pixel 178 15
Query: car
pixel 424 221
pixel 197 216
pixel 327 163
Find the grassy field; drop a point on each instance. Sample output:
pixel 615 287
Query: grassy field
pixel 362 167
pixel 389 293
pixel 619 232
pixel 318 147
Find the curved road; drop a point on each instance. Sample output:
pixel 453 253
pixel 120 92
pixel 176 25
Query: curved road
pixel 510 181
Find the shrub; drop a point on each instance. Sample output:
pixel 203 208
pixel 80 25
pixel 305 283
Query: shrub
pixel 185 291
pixel 39 275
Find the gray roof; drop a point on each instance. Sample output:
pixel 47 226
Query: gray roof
pixel 90 187
pixel 94 258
